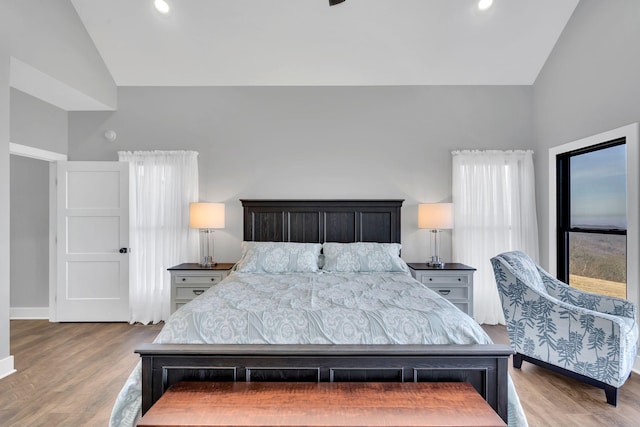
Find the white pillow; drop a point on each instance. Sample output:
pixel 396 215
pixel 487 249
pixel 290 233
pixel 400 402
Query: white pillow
pixel 279 257
pixel 363 257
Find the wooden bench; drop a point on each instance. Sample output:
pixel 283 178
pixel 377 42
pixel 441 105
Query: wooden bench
pixel 320 404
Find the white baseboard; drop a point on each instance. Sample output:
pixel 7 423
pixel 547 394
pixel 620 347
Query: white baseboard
pixel 30 313
pixel 6 367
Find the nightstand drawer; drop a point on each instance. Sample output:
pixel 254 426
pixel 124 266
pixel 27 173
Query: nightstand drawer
pixel 196 280
pixel 431 280
pixel 189 292
pixel 451 292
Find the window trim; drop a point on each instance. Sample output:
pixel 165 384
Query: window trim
pixel 630 133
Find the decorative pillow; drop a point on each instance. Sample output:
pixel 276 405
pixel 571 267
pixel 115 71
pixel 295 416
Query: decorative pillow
pixel 279 257
pixel 363 257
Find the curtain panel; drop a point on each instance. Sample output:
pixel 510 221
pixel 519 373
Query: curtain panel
pixel 161 186
pixel 494 212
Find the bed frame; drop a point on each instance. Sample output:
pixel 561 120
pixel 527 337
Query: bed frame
pixel 484 366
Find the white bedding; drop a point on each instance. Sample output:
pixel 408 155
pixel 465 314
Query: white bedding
pixel 314 308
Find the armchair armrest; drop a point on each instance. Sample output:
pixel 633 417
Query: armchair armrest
pixel 596 302
pixel 577 339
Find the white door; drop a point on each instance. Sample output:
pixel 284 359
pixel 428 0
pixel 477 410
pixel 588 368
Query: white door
pixel 92 242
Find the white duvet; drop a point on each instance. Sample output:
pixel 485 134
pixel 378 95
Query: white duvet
pixel 314 308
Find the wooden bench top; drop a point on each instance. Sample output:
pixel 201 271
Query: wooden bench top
pixel 345 404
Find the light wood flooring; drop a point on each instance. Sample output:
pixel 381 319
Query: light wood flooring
pixel 69 374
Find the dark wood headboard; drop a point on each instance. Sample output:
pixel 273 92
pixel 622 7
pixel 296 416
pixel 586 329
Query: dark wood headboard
pixel 319 221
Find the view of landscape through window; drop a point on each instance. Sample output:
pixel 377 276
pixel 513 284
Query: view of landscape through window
pixel 597 237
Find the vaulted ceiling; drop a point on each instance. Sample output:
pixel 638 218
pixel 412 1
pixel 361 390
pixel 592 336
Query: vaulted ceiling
pixel 307 42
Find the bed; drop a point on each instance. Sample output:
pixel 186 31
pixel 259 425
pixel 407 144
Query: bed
pixel 320 294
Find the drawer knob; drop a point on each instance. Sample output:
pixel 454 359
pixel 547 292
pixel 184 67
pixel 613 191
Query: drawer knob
pixel 459 279
pixel 213 279
pixel 198 291
pixel 184 279
pixel 444 291
pixel 431 279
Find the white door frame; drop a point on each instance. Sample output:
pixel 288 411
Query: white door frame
pixel 51 157
pixel 35 153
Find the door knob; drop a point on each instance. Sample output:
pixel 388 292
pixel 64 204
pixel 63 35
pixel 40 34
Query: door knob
pixel 124 250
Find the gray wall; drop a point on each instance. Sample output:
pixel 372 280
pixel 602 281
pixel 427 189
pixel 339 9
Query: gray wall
pixel 49 36
pixel 5 365
pixel 38 124
pixel 313 142
pixel 29 232
pixel 589 84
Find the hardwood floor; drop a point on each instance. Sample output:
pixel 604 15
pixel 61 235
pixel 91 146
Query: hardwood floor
pixel 70 373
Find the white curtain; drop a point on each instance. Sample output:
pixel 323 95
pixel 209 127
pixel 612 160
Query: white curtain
pixel 161 186
pixel 494 211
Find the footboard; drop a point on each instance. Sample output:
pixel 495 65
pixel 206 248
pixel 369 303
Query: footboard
pixel 484 366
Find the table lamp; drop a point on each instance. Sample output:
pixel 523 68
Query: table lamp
pixel 206 217
pixel 437 217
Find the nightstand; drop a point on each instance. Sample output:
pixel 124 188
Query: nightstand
pixel 454 282
pixel 189 280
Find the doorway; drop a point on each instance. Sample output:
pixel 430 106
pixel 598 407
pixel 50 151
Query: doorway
pixel 30 233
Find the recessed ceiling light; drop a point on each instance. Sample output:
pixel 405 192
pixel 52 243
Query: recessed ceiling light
pixel 162 6
pixel 484 4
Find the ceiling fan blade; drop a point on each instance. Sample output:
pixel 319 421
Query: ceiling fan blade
pixel 335 2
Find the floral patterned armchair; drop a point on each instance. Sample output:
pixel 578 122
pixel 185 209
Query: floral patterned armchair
pixel 589 337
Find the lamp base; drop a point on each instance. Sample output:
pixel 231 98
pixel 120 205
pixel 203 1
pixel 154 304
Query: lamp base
pixel 435 262
pixel 208 262
pixel 206 248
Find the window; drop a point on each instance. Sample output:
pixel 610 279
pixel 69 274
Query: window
pixel 592 218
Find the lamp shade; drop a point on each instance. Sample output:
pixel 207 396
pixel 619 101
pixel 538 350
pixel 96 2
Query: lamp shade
pixel 437 216
pixel 206 215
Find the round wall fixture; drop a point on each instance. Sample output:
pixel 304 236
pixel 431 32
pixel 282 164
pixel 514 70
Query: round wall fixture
pixel 110 135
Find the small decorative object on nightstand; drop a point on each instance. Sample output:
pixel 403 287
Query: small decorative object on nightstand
pixel 452 281
pixel 190 280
